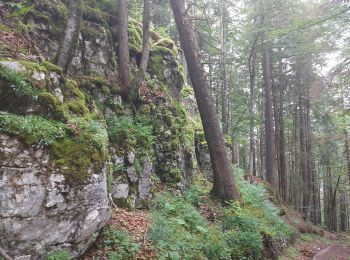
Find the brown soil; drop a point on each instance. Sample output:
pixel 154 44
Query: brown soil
pixel 336 251
pixel 136 224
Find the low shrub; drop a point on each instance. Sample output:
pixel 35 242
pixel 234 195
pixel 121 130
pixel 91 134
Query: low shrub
pixel 32 128
pixel 119 244
pixel 126 131
pixel 19 83
pixel 179 231
pixel 59 255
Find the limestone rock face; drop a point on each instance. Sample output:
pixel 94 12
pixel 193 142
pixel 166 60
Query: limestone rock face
pixel 39 212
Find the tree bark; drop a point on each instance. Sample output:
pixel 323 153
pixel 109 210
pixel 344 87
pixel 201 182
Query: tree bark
pixel 145 35
pixel 252 73
pixel 304 160
pixel 71 35
pixel 282 152
pixel 270 162
pixel 123 49
pixel 224 181
pixel 343 207
pixel 347 152
pixel 224 98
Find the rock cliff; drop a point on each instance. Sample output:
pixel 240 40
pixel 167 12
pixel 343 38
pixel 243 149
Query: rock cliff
pixel 69 144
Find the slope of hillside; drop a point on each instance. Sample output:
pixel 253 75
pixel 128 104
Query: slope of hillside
pixel 84 174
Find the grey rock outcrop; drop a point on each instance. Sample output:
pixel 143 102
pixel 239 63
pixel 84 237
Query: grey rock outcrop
pixel 39 212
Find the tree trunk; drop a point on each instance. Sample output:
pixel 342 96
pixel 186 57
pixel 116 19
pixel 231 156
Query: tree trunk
pixel 224 98
pixel 327 193
pixel 282 152
pixel 252 73
pixel 224 181
pixel 343 207
pixel 311 185
pixel 271 176
pixel 303 139
pixel 185 68
pixel 278 101
pixel 334 207
pixel 123 49
pixel 71 35
pixel 145 35
pixel 347 152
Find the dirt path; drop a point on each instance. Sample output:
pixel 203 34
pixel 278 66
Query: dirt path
pixel 336 252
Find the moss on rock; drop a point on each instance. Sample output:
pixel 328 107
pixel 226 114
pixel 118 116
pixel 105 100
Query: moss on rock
pixel 51 67
pixel 95 15
pixel 135 36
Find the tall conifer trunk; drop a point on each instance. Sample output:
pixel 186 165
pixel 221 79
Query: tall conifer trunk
pixel 145 35
pixel 224 181
pixel 123 49
pixel 270 162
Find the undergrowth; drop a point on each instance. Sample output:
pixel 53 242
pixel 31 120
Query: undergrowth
pixel 119 245
pixel 19 83
pixel 32 128
pixel 179 231
pixel 59 255
pixel 130 132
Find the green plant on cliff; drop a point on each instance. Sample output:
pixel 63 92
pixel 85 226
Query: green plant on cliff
pixel 82 152
pixel 126 132
pixel 19 8
pixel 31 128
pixel 19 83
pixel 134 35
pixel 59 255
pixel 94 131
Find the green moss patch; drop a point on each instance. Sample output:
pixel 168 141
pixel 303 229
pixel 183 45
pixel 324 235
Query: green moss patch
pixel 55 26
pixel 135 36
pixel 83 153
pixel 91 31
pixel 20 85
pixel 95 15
pixel 165 46
pixel 51 67
pixel 127 132
pixel 53 107
pixel 156 67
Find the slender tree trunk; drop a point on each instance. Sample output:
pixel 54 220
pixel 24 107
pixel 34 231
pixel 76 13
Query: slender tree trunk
pixel 282 153
pixel 224 181
pixel 145 35
pixel 347 152
pixel 343 207
pixel 185 68
pixel 262 138
pixel 282 141
pixel 224 98
pixel 334 207
pixel 312 185
pixel 315 195
pixel 271 175
pixel 327 193
pixel 294 174
pixel 71 35
pixel 123 49
pixel 252 73
pixel 303 140
pixel 277 135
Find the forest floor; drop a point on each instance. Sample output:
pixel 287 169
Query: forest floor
pixel 325 246
pixel 313 243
